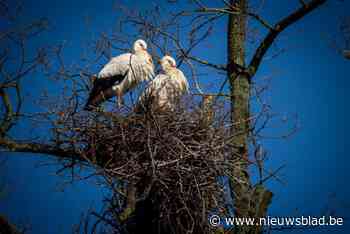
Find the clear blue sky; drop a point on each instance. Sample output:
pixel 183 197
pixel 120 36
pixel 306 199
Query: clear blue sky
pixel 309 79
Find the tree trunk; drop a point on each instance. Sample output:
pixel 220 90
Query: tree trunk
pixel 248 201
pixel 240 92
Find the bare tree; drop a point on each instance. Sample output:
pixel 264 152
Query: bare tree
pixel 161 167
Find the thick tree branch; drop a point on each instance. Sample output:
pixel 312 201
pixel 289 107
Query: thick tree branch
pixel 277 29
pixel 13 146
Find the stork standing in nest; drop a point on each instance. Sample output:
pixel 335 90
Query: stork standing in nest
pixel 164 92
pixel 121 74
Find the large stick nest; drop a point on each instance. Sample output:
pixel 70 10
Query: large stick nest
pixel 173 158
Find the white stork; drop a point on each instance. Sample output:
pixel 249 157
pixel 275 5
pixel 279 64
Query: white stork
pixel 121 74
pixel 164 92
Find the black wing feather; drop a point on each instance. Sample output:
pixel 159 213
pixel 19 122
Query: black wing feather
pixel 102 90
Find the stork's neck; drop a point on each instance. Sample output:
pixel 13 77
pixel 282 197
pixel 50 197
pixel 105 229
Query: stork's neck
pixel 141 53
pixel 170 71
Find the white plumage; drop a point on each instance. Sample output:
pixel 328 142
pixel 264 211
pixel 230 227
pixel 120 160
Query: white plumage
pixel 137 67
pixel 122 74
pixel 164 92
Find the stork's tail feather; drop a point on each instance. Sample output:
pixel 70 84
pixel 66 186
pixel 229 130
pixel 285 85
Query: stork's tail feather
pixel 96 89
pixel 99 98
pixel 101 91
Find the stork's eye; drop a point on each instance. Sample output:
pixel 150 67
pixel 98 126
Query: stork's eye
pixel 171 63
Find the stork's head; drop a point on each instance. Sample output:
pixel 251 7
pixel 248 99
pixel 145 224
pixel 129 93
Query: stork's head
pixel 167 63
pixel 140 45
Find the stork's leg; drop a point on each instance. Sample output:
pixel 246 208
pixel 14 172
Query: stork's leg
pixel 120 101
pixel 119 96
